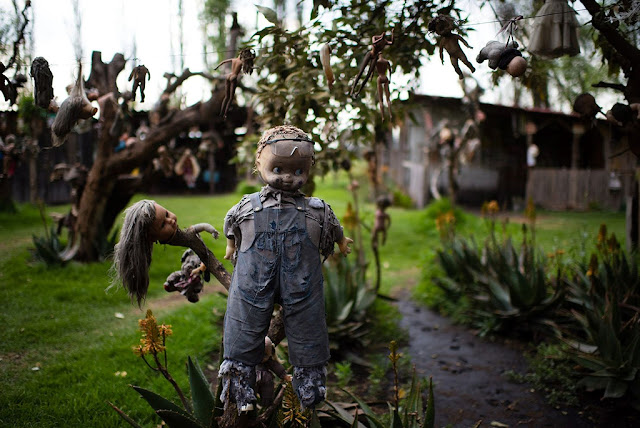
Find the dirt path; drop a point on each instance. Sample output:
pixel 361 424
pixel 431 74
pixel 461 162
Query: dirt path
pixel 467 371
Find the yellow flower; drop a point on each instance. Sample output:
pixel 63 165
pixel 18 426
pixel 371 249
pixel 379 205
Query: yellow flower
pixel 559 252
pixel 593 265
pixel 153 335
pixel 602 233
pixel 493 207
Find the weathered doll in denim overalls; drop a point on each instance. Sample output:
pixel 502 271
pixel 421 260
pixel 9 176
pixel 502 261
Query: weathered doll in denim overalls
pixel 277 237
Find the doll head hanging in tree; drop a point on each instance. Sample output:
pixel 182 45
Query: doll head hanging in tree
pixel 443 26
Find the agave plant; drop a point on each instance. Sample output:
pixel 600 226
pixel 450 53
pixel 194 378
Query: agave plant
pixel 348 298
pixel 604 299
pixel 505 286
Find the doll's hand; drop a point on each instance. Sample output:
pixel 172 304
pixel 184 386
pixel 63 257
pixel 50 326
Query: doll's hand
pixel 288 378
pixel 198 270
pixel 206 227
pixel 231 249
pixel 344 245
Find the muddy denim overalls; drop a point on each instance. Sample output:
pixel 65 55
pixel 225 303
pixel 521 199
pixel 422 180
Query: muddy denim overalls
pixel 283 266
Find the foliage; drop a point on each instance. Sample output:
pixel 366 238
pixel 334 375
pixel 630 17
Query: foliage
pixel 290 86
pixel 47 247
pixel 348 299
pixel 343 373
pixel 197 413
pixel 605 300
pixel 403 413
pixel 552 372
pixel 500 286
pixel 214 14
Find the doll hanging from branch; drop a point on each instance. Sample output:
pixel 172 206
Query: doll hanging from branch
pixel 242 64
pixel 378 43
pixel 77 106
pixel 443 26
pixel 139 75
pixel 383 67
pixel 505 56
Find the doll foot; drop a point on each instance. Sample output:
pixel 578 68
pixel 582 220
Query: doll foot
pixel 309 385
pixel 246 408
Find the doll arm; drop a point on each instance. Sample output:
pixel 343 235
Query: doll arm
pixel 224 62
pixel 231 248
pixel 441 47
pixel 343 244
pixel 206 227
pixel 199 269
pixel 464 42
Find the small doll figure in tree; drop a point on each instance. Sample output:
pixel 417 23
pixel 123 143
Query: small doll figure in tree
pixel 384 68
pixel 378 43
pixel 139 75
pixel 382 220
pixel 277 237
pixel 442 25
pixel 242 64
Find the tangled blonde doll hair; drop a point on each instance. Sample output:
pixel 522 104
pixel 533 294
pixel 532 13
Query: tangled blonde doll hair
pixel 132 254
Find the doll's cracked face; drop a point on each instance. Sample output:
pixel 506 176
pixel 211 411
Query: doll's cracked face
pixel 164 226
pixel 285 165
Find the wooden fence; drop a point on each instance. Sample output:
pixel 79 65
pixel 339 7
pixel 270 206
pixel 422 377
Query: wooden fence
pixel 575 189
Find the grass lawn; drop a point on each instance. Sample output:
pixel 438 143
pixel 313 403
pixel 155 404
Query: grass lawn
pixel 65 337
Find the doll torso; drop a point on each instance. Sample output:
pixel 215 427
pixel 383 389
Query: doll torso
pixel 322 225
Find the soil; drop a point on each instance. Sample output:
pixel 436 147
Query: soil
pixel 469 379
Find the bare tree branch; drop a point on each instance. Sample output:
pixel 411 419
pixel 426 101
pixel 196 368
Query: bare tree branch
pixel 20 37
pixel 617 86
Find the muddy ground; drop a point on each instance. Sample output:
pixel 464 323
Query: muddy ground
pixel 470 383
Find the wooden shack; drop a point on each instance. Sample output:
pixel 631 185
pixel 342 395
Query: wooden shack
pixel 581 165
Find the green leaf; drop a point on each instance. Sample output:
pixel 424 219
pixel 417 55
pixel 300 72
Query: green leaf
pixel 396 422
pixel 615 389
pixel 158 402
pixel 344 415
pixel 366 410
pixel 201 394
pixel 177 420
pixel 315 422
pixel 268 13
pixel 430 413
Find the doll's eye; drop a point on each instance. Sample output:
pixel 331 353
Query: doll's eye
pixel 299 171
pixel 277 170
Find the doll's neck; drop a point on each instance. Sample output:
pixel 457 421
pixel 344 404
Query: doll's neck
pixel 268 189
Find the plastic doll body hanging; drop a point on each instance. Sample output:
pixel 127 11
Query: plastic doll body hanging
pixel 139 75
pixel 277 236
pixel 242 64
pixel 383 67
pixel 449 41
pixel 378 43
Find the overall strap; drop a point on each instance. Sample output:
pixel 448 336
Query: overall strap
pixel 256 203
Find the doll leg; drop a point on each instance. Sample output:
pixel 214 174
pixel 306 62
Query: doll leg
pixel 456 67
pixel 380 97
pixel 142 91
pixel 368 58
pixel 467 63
pixel 238 380
pixel 309 385
pixel 388 95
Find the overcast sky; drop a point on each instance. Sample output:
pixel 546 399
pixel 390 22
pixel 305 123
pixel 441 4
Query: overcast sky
pixel 148 25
